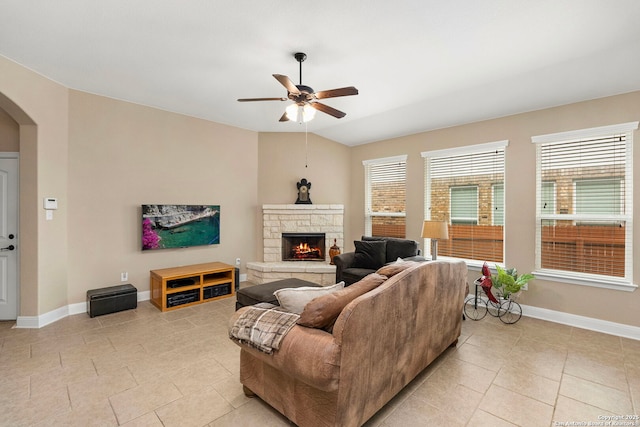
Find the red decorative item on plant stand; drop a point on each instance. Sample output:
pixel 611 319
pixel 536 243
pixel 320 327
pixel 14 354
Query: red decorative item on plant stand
pixel 486 283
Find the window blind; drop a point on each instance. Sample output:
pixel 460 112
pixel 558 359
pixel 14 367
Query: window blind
pixel 465 187
pixel 385 196
pixel 584 202
pixel 498 204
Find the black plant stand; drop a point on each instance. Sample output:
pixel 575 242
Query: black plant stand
pixel 478 305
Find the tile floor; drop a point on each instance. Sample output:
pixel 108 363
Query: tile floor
pixel 146 368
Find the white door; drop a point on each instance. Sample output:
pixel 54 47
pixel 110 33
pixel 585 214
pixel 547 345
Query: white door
pixel 8 238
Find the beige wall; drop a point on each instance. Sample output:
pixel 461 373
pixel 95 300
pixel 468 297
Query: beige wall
pixel 123 155
pixel 285 158
pixel 519 193
pixel 103 158
pixel 40 107
pixel 9 133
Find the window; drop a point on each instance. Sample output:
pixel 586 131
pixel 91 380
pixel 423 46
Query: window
pixel 465 187
pixel 548 200
pixel 385 196
pixel 548 197
pixel 497 202
pixel 597 196
pixel 464 205
pixel 584 221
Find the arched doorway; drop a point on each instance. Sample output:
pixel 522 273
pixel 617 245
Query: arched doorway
pixel 10 293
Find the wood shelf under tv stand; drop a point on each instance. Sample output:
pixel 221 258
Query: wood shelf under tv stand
pixel 178 287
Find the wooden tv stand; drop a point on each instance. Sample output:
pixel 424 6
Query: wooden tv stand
pixel 177 287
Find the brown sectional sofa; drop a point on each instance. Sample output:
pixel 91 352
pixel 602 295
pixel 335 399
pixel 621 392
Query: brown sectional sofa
pixel 379 342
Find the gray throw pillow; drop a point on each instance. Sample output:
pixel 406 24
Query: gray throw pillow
pixel 294 299
pixel 396 247
pixel 370 254
pixel 401 248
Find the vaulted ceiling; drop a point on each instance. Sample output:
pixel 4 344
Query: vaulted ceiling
pixel 418 64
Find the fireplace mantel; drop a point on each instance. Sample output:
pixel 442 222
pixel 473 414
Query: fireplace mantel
pixel 292 209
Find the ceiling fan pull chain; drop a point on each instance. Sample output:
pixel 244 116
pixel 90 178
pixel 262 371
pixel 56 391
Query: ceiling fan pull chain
pixel 306 145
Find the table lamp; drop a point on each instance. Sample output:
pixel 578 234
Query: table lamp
pixel 435 230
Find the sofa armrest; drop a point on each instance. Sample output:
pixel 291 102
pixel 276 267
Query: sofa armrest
pixel 342 262
pixel 308 354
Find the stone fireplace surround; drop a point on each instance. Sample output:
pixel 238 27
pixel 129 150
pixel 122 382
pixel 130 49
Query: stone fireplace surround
pixel 292 218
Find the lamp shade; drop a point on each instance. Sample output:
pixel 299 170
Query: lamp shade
pixel 435 230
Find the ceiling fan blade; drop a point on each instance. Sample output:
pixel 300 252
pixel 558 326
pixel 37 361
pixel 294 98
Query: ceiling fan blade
pixel 284 118
pixel 261 99
pixel 328 110
pixel 333 93
pixel 286 82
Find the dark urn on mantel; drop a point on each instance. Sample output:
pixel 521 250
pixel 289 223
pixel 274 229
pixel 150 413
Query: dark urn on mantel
pixel 303 192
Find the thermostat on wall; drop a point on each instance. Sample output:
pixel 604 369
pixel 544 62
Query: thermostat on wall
pixel 50 203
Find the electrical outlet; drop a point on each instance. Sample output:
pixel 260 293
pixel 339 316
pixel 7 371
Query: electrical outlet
pixel 124 276
pixel 238 262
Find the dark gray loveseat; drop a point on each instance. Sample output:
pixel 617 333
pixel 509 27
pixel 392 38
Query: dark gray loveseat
pixel 372 253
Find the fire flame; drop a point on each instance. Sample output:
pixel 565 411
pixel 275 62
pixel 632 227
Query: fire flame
pixel 304 249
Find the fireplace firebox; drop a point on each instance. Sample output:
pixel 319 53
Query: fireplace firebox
pixel 303 246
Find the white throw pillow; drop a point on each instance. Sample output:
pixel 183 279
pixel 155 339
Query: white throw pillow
pixel 294 299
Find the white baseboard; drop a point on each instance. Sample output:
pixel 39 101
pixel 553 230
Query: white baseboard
pixel 598 325
pixel 582 322
pixel 35 322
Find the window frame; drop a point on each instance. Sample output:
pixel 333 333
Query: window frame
pixel 580 278
pixel 457 151
pixel 369 214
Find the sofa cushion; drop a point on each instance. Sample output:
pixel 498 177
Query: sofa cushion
pixel 370 254
pixel 323 311
pixel 294 299
pixel 396 248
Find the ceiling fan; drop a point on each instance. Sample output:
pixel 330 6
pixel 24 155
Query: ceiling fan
pixel 304 98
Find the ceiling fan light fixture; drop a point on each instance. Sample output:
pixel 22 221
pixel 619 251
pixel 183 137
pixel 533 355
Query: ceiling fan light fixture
pixel 305 98
pixel 299 113
pixel 292 112
pixel 308 113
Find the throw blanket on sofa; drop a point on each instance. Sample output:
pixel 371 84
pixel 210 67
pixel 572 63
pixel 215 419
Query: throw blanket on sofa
pixel 263 327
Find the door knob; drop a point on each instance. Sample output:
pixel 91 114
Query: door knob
pixel 8 248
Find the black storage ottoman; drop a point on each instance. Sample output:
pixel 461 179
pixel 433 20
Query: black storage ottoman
pixel 111 299
pixel 264 293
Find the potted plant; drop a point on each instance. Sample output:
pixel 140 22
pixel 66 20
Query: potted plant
pixel 507 281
